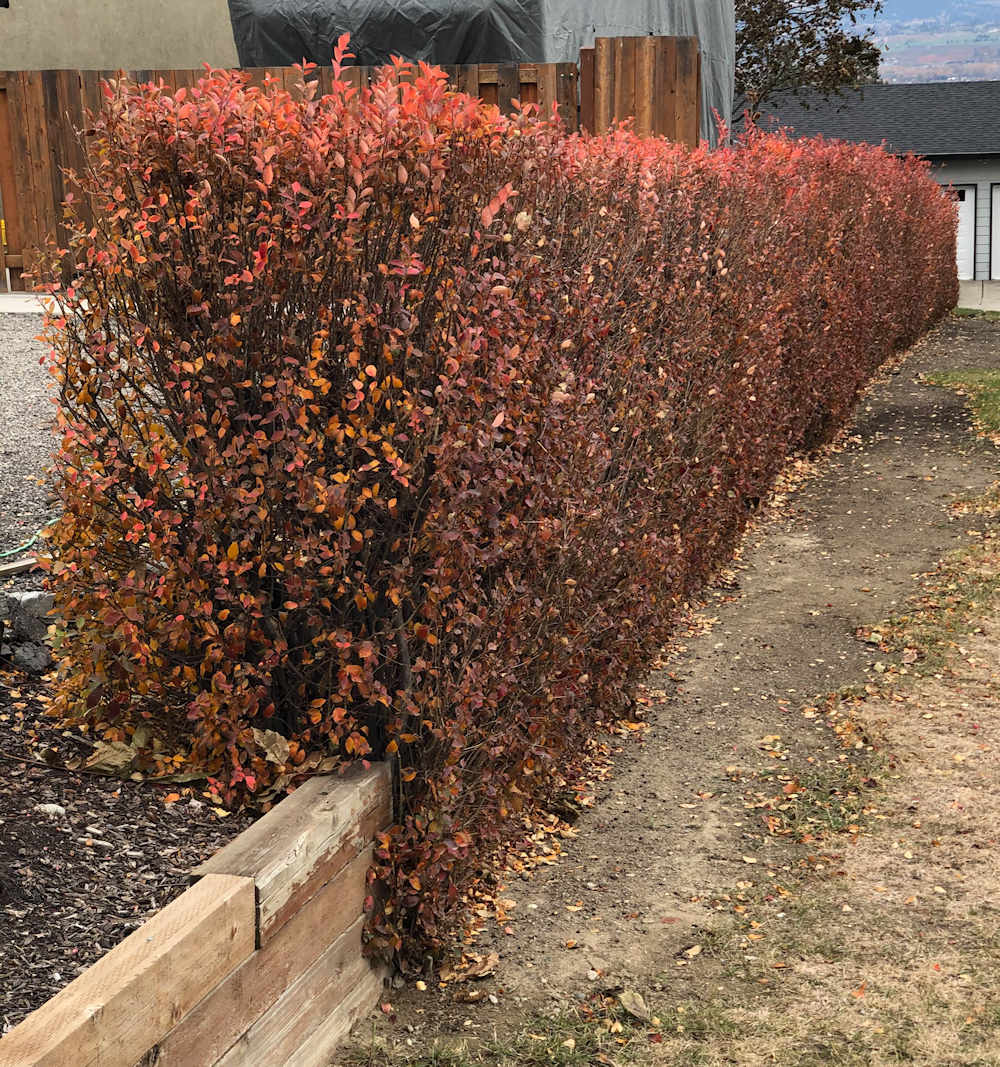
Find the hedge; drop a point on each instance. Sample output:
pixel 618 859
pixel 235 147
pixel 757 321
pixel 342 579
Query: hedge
pixel 396 428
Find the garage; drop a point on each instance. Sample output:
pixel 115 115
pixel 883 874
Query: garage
pixel 965 249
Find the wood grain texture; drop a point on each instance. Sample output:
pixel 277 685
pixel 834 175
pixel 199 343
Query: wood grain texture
pixel 219 1020
pixel 508 84
pixel 547 75
pixel 9 206
pixel 303 842
pixel 567 97
pixel 337 975
pixel 665 88
pixel 604 84
pixel 645 68
pixel 468 80
pixel 686 99
pixel 321 1045
pixel 625 66
pixel 587 89
pixel 121 1005
pixel 17 108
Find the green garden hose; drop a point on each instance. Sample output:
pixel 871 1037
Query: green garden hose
pixel 27 544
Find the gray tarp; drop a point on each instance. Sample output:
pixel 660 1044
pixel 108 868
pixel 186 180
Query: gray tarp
pixel 275 33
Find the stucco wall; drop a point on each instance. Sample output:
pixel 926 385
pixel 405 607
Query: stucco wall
pixel 981 172
pixel 111 34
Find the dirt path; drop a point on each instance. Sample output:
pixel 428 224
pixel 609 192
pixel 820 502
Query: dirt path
pixel 637 892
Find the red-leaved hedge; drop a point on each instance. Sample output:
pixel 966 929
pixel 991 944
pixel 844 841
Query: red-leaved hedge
pixel 393 427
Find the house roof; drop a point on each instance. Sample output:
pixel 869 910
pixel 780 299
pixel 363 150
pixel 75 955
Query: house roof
pixel 928 119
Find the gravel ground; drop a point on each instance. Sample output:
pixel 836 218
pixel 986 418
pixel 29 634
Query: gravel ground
pixel 26 439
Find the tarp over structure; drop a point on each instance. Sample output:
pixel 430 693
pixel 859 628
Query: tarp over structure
pixel 277 33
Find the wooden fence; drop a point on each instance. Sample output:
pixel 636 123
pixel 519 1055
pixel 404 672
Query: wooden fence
pixel 654 80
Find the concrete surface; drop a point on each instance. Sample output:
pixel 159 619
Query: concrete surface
pixel 20 304
pixel 116 34
pixel 983 296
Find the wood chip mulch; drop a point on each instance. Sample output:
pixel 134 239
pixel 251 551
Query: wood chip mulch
pixel 84 859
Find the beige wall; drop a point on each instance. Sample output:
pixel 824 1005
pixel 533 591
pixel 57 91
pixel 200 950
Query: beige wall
pixel 110 34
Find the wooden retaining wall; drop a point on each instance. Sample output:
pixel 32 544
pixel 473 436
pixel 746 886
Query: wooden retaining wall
pixel 258 962
pixel 655 80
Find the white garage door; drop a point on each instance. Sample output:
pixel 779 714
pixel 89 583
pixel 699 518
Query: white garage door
pixel 995 233
pixel 965 253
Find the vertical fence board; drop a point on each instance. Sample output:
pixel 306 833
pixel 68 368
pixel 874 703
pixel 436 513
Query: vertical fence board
pixel 26 104
pixel 698 115
pixel 508 84
pixel 468 80
pixel 91 95
pixel 587 89
pixel 57 148
pixel 567 78
pixel 625 64
pixel 645 68
pixel 604 84
pixel 548 88
pixel 71 154
pixel 11 202
pixel 665 88
pixel 686 99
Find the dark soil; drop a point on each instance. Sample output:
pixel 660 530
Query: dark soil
pixel 74 882
pixel 636 889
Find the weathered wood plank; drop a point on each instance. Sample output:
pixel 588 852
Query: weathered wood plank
pixel 19 566
pixel 604 84
pixel 686 99
pixel 23 176
pixel 9 202
pixel 567 77
pixel 277 1035
pixel 665 89
pixel 56 145
pixel 508 84
pixel 121 1005
pixel 625 68
pixel 468 80
pixel 698 107
pixel 304 841
pixel 71 154
pixel 248 992
pixel 321 1045
pixel 644 85
pixel 548 79
pixel 587 89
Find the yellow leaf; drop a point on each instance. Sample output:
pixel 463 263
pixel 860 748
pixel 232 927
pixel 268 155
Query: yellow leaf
pixel 234 551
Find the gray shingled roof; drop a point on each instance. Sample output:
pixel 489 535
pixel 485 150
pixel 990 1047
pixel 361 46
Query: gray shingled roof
pixel 928 119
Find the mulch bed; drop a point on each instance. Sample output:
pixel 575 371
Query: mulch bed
pixel 76 881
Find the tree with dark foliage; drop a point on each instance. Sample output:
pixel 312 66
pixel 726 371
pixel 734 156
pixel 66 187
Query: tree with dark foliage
pixel 802 46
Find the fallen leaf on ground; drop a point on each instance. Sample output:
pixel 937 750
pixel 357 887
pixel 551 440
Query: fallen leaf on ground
pixel 634 1004
pixel 110 757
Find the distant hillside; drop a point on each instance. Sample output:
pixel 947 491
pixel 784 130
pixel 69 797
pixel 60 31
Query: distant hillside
pixel 924 41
